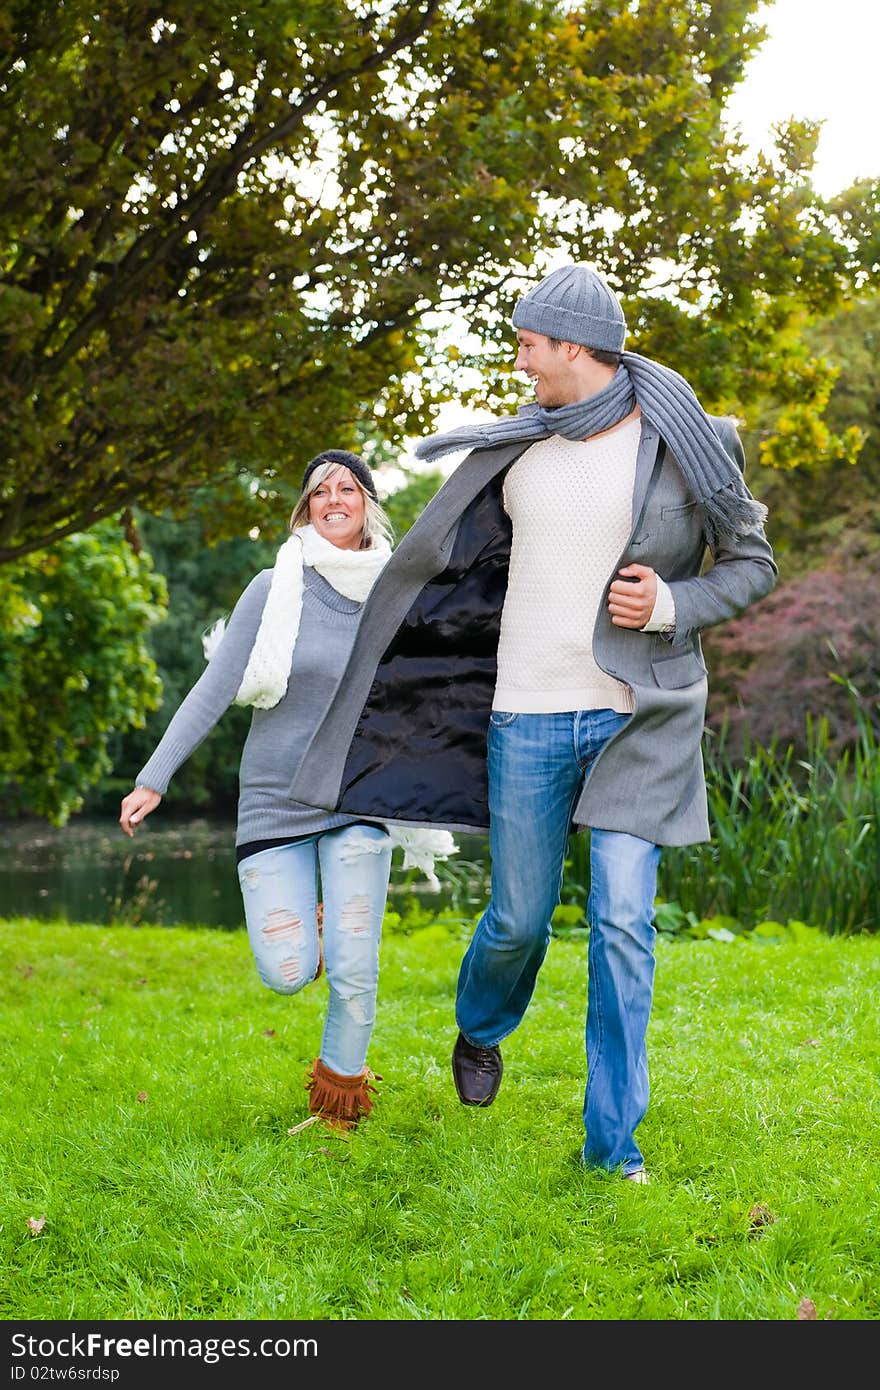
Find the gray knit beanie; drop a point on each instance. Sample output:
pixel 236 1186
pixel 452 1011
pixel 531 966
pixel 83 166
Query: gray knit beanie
pixel 575 305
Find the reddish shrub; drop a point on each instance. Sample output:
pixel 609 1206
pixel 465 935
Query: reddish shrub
pixel 774 667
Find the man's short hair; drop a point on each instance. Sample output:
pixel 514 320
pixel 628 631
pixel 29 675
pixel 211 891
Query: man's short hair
pixel 608 359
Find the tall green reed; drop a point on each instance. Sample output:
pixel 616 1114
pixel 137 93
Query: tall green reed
pixel 792 837
pixel 795 836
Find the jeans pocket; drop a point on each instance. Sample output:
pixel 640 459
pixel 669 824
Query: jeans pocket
pixel 500 719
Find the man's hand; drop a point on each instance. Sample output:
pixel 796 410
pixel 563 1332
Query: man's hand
pixel 632 596
pixel 135 806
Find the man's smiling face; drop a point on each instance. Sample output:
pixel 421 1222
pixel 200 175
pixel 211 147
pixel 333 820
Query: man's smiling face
pixel 548 367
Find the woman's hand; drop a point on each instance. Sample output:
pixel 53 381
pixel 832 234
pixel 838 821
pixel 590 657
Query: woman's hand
pixel 135 806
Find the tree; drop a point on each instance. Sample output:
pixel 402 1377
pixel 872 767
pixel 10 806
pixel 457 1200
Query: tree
pixel 403 506
pixel 830 500
pixel 73 667
pixel 810 649
pixel 228 231
pixel 204 581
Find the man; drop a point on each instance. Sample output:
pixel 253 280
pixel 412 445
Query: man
pixel 549 602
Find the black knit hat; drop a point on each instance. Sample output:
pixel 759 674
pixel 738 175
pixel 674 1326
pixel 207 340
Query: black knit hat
pixel 353 462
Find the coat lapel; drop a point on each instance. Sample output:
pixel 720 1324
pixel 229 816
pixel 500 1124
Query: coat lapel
pixel 477 469
pixel 645 460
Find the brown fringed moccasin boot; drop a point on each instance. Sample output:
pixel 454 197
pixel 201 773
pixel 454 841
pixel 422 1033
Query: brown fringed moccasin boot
pixel 339 1100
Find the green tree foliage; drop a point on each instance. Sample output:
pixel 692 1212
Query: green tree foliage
pixel 403 506
pixel 809 651
pixel 858 211
pixel 204 583
pixel 226 228
pixel 828 501
pixel 73 667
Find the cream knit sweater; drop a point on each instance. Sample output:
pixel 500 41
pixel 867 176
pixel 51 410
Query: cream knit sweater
pixel 570 502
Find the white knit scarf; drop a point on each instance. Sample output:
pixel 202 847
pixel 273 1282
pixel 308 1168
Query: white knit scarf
pixel 351 572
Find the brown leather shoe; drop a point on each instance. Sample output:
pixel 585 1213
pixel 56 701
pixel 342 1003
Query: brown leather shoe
pixel 476 1072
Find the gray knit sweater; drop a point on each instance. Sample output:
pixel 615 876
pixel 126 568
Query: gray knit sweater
pixel 277 736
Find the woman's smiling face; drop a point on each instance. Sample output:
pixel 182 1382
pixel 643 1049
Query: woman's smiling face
pixel 337 510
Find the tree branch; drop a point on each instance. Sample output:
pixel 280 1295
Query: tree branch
pixel 156 244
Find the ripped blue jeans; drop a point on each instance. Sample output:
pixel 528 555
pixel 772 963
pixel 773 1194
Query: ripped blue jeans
pixel 279 887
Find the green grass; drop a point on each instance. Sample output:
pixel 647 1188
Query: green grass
pixel 149 1082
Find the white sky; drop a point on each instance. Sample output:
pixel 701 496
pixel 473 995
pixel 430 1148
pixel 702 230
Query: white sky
pixel 820 61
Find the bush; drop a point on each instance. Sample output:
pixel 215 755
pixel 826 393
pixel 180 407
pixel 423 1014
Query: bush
pixel 801 653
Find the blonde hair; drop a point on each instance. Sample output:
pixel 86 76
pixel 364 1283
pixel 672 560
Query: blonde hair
pixel 376 523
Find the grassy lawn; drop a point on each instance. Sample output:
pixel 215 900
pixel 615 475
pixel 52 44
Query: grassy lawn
pixel 150 1082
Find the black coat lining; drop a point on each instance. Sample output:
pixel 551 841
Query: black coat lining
pixel 434 687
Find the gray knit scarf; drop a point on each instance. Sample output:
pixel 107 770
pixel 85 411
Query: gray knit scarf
pixel 669 402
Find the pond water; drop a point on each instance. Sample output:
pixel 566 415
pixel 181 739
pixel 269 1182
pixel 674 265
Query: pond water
pixel 173 873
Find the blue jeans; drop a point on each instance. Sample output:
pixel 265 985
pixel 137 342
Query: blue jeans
pixel 537 767
pixel 280 891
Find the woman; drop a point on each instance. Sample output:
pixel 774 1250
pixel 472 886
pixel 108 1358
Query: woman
pixel 285 646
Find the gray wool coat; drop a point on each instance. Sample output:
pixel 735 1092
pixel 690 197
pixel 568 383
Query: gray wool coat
pixel 403 737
